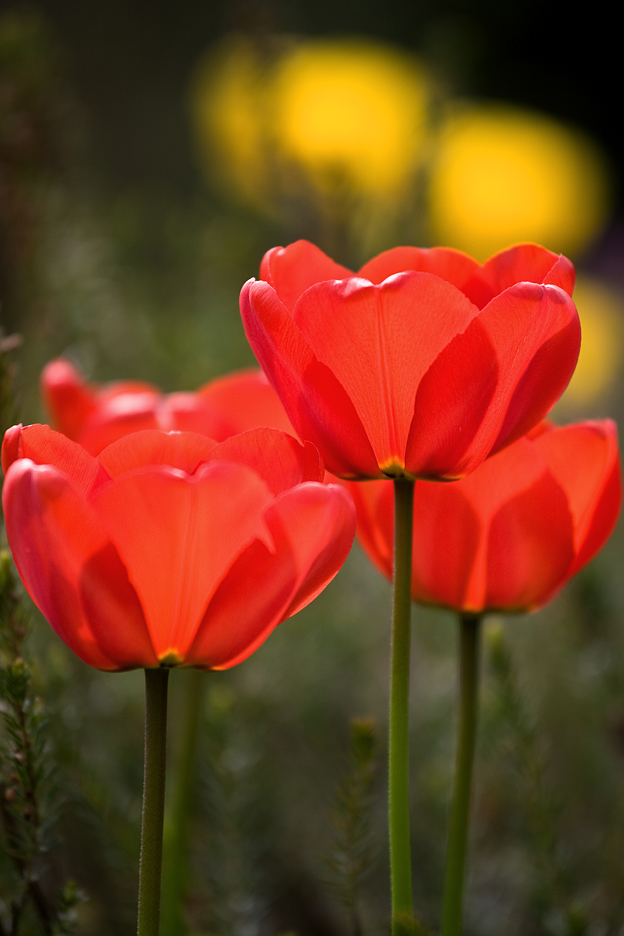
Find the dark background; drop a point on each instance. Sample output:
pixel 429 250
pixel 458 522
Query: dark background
pixel 129 63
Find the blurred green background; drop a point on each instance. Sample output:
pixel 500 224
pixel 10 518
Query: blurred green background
pixel 150 153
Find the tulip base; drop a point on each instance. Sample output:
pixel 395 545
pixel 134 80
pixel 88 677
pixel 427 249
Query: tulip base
pixel 156 683
pixel 398 781
pixel 469 641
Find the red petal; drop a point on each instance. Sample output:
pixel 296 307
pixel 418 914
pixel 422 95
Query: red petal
pixel 585 460
pixel 312 527
pixel 374 505
pixel 448 535
pixel 183 450
pixel 379 341
pixel 452 402
pixel 124 388
pixel 123 414
pixel 11 446
pixel 526 541
pixel 188 412
pixel 530 548
pixel 44 446
pixel 178 535
pixel 72 571
pixel 500 539
pixel 319 521
pixel 451 265
pixel 494 382
pixel 118 416
pixel 524 263
pixel 67 398
pixel 291 270
pixel 245 400
pixel 314 400
pixel 279 459
pixel 248 604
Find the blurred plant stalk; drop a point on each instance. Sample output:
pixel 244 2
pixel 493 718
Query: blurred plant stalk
pixel 469 652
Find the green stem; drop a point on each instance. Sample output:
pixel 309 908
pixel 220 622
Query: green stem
pixel 399 812
pixel 178 821
pixel 464 759
pixel 156 681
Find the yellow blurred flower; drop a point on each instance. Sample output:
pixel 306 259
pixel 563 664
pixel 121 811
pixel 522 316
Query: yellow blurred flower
pixel 351 112
pixel 505 175
pixel 601 311
pixel 228 103
pixel 327 114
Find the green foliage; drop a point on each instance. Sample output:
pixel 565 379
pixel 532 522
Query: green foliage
pixel 353 853
pixel 560 913
pixel 29 806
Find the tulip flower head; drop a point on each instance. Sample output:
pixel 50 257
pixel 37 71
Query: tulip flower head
pixel 96 415
pixel 510 535
pixel 171 549
pixel 424 363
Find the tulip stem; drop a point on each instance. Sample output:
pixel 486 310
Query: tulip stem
pixel 156 681
pixel 399 810
pixel 469 641
pixel 178 823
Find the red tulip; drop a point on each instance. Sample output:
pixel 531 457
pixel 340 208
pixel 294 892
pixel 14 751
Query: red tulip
pixel 169 548
pixel 96 416
pixel 511 534
pixel 421 365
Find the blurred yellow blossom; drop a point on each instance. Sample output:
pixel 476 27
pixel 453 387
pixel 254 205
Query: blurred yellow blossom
pixel 601 310
pixel 352 110
pixel 325 114
pixel 228 103
pixel 505 175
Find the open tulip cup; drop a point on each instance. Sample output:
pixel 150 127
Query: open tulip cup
pixel 421 365
pixel 167 550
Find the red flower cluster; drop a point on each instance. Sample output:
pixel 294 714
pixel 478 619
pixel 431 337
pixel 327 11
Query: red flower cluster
pixel 96 416
pixel 168 548
pixel 511 534
pixel 421 365
pixel 176 549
